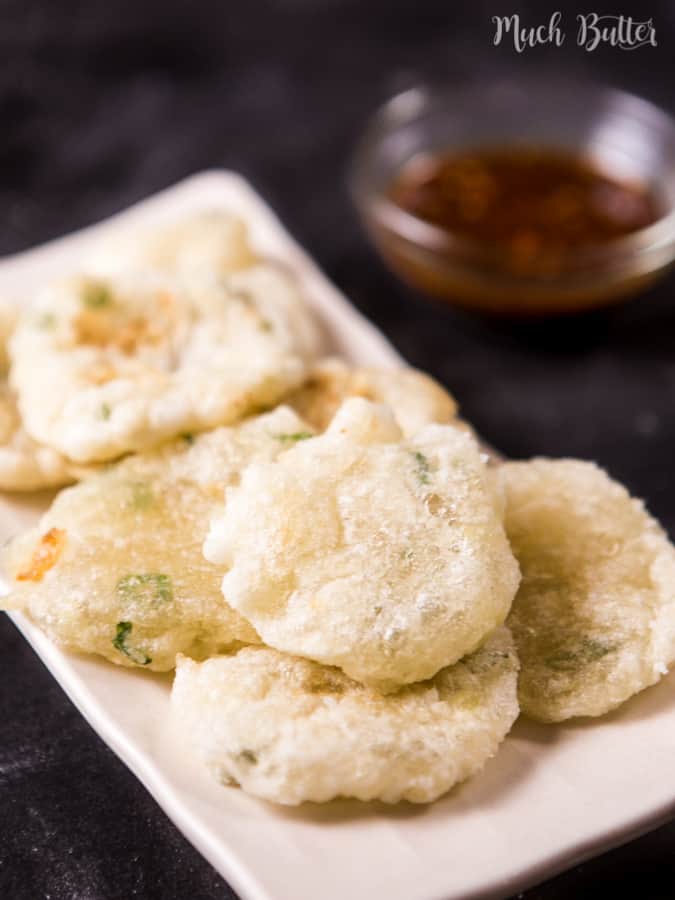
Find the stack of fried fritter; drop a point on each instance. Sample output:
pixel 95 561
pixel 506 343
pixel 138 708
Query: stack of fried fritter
pixel 343 581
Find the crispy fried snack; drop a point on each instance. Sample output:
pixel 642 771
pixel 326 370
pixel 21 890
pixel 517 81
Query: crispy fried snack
pixel 381 555
pixel 115 566
pixel 415 398
pixel 212 243
pixel 102 368
pixel 290 730
pixel 594 618
pixel 25 465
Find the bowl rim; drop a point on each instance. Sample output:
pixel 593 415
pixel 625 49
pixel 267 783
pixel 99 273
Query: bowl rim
pixel 652 242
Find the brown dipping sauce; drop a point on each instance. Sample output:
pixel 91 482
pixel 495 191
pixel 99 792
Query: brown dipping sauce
pixel 532 209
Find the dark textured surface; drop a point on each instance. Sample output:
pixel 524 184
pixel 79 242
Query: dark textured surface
pixel 101 104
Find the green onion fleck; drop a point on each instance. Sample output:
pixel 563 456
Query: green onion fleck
pixel 585 652
pixel 119 642
pixel 96 296
pixel 422 467
pixel 147 588
pixel 293 438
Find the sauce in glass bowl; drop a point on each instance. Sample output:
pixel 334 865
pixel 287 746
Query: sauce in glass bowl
pixel 528 198
pixel 535 206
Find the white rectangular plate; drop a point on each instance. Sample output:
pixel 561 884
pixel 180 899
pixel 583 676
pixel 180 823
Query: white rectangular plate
pixel 551 797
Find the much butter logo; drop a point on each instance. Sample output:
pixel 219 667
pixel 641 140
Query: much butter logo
pixel 623 32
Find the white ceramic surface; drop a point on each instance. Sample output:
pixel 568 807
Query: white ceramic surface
pixel 553 795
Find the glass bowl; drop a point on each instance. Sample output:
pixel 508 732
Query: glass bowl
pixel 627 137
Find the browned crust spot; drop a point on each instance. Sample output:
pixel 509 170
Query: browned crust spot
pixel 45 555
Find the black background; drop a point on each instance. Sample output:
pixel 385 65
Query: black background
pixel 102 103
